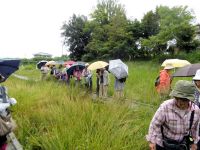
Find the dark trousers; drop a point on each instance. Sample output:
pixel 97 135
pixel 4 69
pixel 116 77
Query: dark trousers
pixel 3 140
pixel 198 145
pixel 97 89
pixel 159 147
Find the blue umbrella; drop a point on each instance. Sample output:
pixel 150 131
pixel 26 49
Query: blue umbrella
pixel 79 64
pixel 7 67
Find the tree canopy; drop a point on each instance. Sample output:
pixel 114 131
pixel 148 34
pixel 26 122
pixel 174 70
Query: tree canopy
pixel 109 34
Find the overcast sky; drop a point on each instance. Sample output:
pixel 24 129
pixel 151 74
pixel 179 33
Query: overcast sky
pixel 32 26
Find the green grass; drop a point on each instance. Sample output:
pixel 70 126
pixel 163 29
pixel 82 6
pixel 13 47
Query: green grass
pixel 51 116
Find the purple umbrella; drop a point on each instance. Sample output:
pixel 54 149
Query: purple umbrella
pixel 187 71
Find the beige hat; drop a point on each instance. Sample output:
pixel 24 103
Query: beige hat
pixel 169 66
pixel 87 64
pixel 183 89
pixel 197 75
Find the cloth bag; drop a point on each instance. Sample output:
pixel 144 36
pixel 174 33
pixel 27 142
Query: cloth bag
pixel 7 125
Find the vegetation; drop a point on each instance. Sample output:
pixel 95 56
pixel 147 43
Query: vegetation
pixel 110 34
pixel 54 117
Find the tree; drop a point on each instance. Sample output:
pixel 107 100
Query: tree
pixel 150 24
pixel 174 23
pixel 76 37
pixel 109 34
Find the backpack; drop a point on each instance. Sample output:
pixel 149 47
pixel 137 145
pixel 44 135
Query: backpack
pixel 157 81
pixel 122 80
pixel 52 71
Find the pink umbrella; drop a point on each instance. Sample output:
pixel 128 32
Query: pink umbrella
pixel 69 63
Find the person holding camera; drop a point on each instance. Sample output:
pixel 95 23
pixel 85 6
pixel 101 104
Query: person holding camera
pixel 176 122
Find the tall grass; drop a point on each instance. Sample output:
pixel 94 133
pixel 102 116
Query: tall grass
pixel 51 116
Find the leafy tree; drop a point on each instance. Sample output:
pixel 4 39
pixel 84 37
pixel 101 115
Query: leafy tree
pixel 110 37
pixel 136 29
pixel 150 24
pixel 76 37
pixel 174 23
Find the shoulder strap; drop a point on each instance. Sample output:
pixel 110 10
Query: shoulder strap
pixel 191 119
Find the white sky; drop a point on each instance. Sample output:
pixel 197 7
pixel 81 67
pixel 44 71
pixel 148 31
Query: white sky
pixel 32 26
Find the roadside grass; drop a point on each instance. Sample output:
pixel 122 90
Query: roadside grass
pixel 52 116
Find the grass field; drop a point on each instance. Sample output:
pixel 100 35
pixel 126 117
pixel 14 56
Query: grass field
pixel 52 116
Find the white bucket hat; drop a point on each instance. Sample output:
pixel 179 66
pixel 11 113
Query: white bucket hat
pixel 197 75
pixel 169 66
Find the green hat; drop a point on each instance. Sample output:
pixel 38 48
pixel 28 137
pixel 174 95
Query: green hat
pixel 183 89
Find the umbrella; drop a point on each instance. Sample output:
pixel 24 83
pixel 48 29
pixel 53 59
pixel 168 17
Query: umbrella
pixel 50 63
pixel 41 63
pixel 118 68
pixel 7 67
pixel 175 62
pixel 69 63
pixel 97 65
pixel 187 71
pixel 79 64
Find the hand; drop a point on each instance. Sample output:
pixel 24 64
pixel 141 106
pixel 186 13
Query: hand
pixel 193 147
pixel 152 146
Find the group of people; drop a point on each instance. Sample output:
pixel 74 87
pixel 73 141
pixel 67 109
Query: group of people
pixel 176 123
pixel 84 76
pixel 61 74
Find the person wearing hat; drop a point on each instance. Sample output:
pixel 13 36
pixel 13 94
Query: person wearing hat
pixel 164 86
pixel 196 80
pixel 44 72
pixel 171 122
pixel 87 74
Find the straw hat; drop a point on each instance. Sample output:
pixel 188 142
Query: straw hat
pixel 169 66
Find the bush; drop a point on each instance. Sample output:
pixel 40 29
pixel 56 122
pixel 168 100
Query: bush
pixel 192 57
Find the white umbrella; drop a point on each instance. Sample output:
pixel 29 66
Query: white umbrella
pixel 118 68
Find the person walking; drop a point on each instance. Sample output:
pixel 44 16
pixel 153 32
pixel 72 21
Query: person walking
pixel 97 81
pixel 87 74
pixel 103 83
pixel 77 74
pixel 165 79
pixel 44 72
pixel 119 87
pixel 176 122
pixel 196 80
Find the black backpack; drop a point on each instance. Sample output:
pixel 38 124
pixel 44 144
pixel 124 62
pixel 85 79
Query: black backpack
pixel 157 81
pixel 122 80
